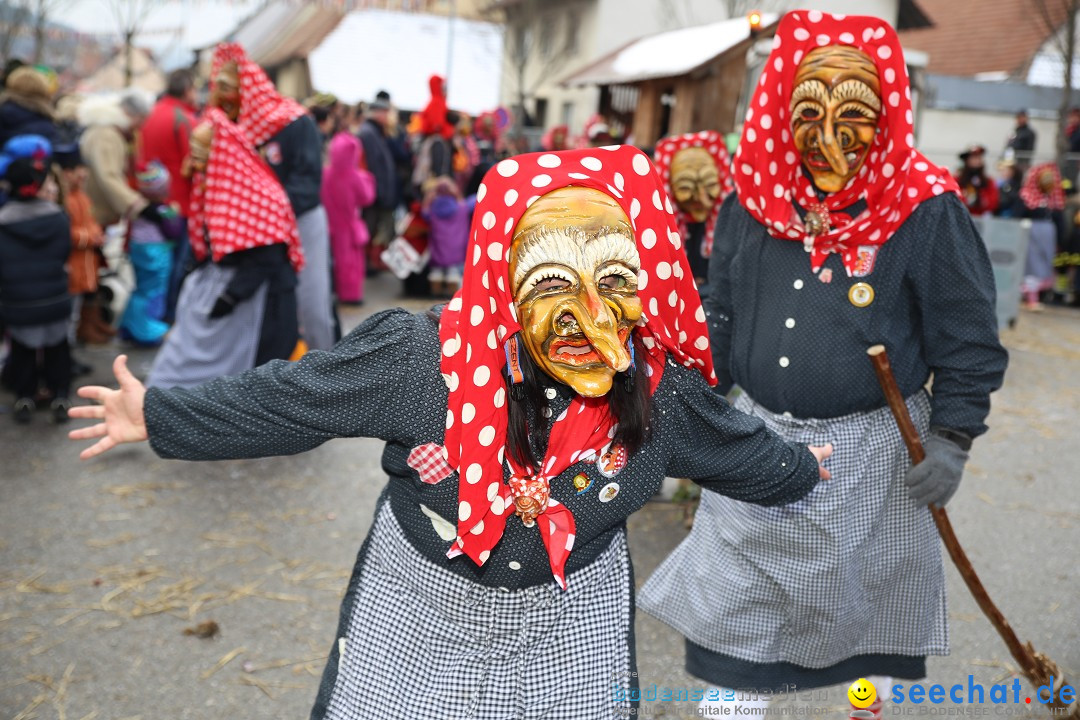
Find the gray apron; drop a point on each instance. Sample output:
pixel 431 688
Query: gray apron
pixel 853 568
pixel 199 348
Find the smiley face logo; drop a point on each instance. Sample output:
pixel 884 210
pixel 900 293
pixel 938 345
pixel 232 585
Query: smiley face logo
pixel 862 693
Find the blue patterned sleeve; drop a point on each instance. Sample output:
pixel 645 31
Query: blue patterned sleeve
pixel 725 450
pixel 359 388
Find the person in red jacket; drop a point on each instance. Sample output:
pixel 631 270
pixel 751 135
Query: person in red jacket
pixel 166 138
pixel 979 190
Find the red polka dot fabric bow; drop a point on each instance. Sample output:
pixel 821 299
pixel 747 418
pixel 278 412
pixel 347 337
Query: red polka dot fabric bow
pixel 478 321
pixel 263 110
pixel 893 181
pixel 714 143
pixel 237 203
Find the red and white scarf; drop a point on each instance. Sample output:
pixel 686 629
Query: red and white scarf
pixel 264 112
pixel 482 316
pixel 237 203
pixel 893 181
pixel 713 143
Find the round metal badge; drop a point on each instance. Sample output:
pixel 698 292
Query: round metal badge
pixel 608 492
pixel 612 461
pixel 861 294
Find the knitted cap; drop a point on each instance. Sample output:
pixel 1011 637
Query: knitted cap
pixel 153 180
pixel 24 163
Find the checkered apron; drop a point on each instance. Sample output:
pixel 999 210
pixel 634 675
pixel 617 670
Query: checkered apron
pixel 853 568
pixel 425 643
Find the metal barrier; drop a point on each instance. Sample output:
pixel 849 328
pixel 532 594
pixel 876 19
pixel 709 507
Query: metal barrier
pixel 1006 242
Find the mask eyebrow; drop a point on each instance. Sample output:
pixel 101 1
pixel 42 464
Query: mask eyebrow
pixel 544 246
pixel 610 245
pixel 857 90
pixel 573 247
pixel 809 90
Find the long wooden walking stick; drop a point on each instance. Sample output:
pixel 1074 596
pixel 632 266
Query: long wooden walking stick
pixel 1038 668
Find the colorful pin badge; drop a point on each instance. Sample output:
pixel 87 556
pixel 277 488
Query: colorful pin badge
pixel 612 461
pixel 861 294
pixel 582 483
pixel 608 492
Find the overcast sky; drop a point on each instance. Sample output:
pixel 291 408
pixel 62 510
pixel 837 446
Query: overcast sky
pixel 172 26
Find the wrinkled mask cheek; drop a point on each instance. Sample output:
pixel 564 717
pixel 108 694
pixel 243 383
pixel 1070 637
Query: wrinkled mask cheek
pixel 537 320
pixel 631 310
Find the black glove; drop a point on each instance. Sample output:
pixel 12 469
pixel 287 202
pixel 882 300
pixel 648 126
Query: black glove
pixel 935 479
pixel 152 213
pixel 222 306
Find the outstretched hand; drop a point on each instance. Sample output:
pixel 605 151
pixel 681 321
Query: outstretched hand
pixel 821 452
pixel 120 410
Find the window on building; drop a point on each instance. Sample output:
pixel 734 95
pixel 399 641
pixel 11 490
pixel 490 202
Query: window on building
pixel 540 116
pixel 567 113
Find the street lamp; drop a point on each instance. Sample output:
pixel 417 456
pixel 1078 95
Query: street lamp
pixel 754 18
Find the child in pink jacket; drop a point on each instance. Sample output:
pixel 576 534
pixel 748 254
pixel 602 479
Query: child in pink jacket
pixel 347 188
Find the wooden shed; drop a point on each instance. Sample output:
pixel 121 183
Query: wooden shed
pixel 676 82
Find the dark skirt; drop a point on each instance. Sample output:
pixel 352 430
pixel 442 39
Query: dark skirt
pixel 731 672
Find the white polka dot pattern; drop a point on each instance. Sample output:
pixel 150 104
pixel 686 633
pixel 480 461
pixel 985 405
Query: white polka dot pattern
pixel 477 440
pixel 238 203
pixel 890 183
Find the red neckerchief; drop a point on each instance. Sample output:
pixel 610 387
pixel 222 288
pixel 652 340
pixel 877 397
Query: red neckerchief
pixel 237 203
pixel 893 181
pixel 264 112
pixel 714 143
pixel 1032 194
pixel 476 325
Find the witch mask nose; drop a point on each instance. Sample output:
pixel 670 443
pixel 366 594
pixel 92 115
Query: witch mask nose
pixel 588 314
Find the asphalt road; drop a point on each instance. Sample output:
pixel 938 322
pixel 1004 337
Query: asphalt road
pixel 106 566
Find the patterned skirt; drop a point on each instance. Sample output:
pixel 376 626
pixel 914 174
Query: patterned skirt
pixel 1042 247
pixel 852 569
pixel 200 348
pixel 418 641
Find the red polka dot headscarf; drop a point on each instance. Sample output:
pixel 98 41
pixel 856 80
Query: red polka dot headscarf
pixel 1032 194
pixel 237 203
pixel 476 325
pixel 893 181
pixel 713 142
pixel 264 112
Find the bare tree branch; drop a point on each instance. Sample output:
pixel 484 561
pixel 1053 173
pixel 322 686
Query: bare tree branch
pixel 13 17
pixel 130 16
pixel 540 37
pixel 1049 26
pixel 43 11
